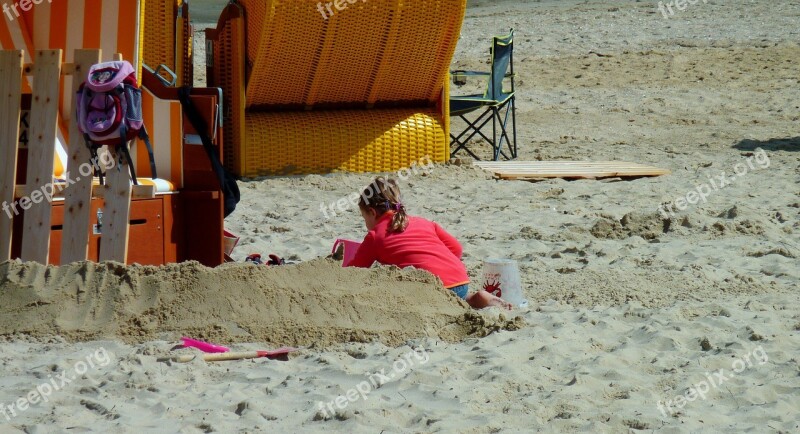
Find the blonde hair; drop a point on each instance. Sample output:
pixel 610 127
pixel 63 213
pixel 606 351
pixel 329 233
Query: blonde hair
pixel 384 195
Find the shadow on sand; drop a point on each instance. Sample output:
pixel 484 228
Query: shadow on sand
pixel 789 144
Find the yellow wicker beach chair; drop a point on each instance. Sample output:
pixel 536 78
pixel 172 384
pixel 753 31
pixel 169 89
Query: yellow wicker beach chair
pixel 363 89
pixel 168 45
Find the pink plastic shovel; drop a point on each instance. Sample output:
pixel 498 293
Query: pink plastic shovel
pixel 204 346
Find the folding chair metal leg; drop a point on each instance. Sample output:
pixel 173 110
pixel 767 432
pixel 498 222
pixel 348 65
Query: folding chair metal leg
pixel 504 134
pixel 473 129
pixel 495 149
pixel 514 123
pixel 499 116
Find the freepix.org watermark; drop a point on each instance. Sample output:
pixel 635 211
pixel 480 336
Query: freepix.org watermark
pixel 701 192
pixel 46 191
pixel 340 5
pixel 681 5
pixel 715 379
pixel 423 165
pixel 55 382
pixel 24 5
pixel 374 381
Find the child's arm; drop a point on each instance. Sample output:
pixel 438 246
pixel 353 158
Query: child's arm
pixel 367 253
pixel 450 241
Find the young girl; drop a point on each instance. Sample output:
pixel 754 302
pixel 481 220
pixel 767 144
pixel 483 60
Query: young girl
pixel 395 238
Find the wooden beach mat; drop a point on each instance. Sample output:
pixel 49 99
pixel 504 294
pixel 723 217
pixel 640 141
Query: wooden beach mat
pixel 568 169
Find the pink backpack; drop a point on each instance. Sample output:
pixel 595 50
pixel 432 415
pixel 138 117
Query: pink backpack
pixel 109 111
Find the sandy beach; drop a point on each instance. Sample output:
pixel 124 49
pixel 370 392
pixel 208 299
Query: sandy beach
pixel 642 317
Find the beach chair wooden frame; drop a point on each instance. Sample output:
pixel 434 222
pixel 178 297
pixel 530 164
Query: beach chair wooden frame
pixel 137 225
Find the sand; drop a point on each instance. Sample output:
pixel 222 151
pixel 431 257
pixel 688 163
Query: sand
pixel 631 306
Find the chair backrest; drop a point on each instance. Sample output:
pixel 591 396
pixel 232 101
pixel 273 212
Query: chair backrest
pixel 367 53
pixel 164 121
pixel 502 64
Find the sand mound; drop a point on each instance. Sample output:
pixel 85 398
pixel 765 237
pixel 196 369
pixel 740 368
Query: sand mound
pixel 648 226
pixel 313 303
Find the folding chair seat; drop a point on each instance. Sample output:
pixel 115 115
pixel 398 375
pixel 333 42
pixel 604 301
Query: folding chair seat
pixel 495 105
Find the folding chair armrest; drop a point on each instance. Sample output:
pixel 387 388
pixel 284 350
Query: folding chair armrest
pixel 477 73
pixel 460 77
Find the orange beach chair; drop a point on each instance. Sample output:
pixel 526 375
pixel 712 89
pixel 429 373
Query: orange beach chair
pixel 183 220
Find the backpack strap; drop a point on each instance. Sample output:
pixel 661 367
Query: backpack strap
pixel 126 154
pixel 227 183
pixel 94 158
pixel 146 139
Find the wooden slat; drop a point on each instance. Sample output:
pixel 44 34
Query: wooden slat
pixel 11 94
pixel 574 172
pixel 66 69
pixel 137 192
pixel 568 169
pixel 44 117
pixel 78 197
pixel 116 223
pixel 559 165
pixel 58 190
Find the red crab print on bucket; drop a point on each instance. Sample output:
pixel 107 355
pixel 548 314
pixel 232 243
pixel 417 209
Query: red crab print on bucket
pixel 492 286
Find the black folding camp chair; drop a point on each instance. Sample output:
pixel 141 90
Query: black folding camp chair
pixel 498 104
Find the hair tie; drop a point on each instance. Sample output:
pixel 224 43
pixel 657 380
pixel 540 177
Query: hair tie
pixel 398 206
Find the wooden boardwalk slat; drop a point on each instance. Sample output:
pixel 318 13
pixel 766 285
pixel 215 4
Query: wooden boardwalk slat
pixel 11 93
pixel 44 117
pixel 568 169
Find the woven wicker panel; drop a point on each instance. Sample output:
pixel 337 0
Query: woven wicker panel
pixel 159 30
pixel 228 75
pixel 351 54
pixel 419 49
pixel 162 33
pixel 342 140
pixel 376 51
pixel 283 44
pixel 187 67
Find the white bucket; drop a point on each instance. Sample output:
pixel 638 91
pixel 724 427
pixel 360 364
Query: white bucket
pixel 501 278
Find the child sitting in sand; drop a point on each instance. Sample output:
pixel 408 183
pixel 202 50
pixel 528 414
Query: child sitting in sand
pixel 395 238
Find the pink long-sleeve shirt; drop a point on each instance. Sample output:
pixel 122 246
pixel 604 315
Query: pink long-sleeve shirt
pixel 423 244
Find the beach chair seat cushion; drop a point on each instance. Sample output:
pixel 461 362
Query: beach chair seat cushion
pixel 284 143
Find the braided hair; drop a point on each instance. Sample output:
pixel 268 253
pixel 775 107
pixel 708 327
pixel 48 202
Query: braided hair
pixel 383 195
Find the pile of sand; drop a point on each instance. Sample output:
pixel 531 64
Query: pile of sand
pixel 313 303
